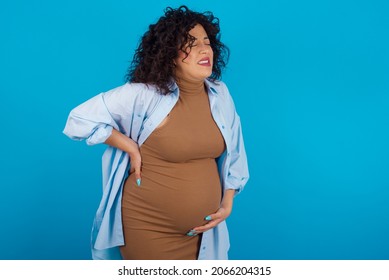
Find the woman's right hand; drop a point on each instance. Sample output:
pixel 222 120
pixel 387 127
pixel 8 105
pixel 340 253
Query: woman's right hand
pixel 136 164
pixel 126 144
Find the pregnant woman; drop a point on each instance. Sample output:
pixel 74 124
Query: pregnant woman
pixel 175 157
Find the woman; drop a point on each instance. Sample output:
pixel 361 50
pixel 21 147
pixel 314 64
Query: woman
pixel 175 157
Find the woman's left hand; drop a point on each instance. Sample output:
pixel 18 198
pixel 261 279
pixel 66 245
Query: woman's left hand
pixel 216 218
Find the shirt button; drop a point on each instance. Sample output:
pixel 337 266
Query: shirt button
pixel 204 248
pixel 223 126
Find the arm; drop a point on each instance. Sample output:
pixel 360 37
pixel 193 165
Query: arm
pixel 99 120
pixel 90 121
pixel 94 119
pixel 126 144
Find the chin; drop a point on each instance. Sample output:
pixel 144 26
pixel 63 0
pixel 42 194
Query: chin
pixel 207 75
pixel 203 75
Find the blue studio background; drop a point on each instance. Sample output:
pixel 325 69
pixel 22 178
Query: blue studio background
pixel 310 82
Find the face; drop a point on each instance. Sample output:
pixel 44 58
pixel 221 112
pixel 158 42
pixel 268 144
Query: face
pixel 198 65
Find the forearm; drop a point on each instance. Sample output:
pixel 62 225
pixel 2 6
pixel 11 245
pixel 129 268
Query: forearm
pixel 122 142
pixel 228 199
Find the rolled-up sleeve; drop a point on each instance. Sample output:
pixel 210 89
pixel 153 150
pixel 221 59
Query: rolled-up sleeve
pixel 90 121
pixel 237 167
pixel 237 174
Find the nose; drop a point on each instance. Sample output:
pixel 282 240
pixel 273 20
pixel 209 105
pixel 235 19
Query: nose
pixel 204 49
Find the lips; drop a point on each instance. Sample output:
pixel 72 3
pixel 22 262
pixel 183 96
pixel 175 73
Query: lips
pixel 205 62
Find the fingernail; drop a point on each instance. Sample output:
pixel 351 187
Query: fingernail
pixel 192 232
pixel 208 218
pixel 138 182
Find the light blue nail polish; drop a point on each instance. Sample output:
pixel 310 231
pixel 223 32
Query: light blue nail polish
pixel 190 233
pixel 208 218
pixel 138 182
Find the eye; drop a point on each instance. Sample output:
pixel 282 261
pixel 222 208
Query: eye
pixel 208 43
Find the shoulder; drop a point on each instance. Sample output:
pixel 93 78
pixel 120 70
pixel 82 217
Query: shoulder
pixel 132 90
pixel 130 95
pixel 221 90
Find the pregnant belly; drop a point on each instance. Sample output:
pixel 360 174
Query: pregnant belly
pixel 173 197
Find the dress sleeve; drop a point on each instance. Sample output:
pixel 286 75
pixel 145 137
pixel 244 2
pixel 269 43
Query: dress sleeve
pixel 94 119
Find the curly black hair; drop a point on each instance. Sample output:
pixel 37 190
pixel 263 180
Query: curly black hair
pixel 158 47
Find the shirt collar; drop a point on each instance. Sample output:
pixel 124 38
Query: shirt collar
pixel 208 84
pixel 210 87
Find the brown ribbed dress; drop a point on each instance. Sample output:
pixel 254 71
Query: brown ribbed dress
pixel 180 182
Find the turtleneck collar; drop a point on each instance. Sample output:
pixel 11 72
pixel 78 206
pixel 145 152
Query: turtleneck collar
pixel 190 87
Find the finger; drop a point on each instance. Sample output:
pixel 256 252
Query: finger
pixel 207 226
pixel 138 175
pixel 192 232
pixel 218 215
pixel 213 217
pixel 136 167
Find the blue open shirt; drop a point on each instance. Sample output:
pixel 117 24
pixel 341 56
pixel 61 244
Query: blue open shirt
pixel 135 110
